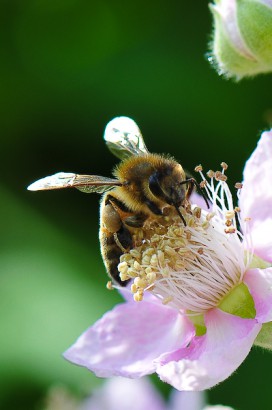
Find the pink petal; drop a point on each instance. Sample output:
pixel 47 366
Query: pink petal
pixel 211 358
pixel 187 400
pixel 259 282
pixel 256 196
pixel 126 340
pixel 198 200
pixel 218 407
pixel 125 394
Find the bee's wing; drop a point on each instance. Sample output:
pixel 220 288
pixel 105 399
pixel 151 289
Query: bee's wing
pixel 124 138
pixel 85 183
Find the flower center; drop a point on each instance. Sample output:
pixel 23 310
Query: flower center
pixel 191 267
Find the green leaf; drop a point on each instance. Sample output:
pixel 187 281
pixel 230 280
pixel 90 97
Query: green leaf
pixel 49 294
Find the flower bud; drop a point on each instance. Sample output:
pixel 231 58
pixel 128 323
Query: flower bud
pixel 242 39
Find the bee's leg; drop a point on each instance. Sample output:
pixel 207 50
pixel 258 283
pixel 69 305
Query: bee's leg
pixel 115 239
pixel 135 221
pixel 123 239
pixel 153 207
pixel 111 254
pixel 113 222
pixel 110 199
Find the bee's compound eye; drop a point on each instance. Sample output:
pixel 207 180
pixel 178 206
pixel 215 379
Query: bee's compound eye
pixel 154 185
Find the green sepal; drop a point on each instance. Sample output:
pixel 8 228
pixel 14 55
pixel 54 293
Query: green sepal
pixel 198 322
pixel 226 59
pixel 239 302
pixel 264 338
pixel 255 24
pixel 259 263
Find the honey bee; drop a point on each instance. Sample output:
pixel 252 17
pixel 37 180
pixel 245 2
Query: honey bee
pixel 144 184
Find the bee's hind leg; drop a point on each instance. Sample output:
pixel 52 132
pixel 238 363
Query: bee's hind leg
pixel 115 240
pixel 135 221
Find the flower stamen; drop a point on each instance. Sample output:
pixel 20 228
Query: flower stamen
pixel 192 267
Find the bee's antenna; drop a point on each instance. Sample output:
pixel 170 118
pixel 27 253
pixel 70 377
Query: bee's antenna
pixel 180 214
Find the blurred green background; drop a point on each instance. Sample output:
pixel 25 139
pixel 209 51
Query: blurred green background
pixel 67 67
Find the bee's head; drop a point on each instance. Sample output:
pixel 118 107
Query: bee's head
pixel 170 185
pixel 167 184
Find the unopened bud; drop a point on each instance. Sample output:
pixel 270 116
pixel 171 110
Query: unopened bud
pixel 241 44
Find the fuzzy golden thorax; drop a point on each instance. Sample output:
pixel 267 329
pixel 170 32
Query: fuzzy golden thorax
pixel 150 179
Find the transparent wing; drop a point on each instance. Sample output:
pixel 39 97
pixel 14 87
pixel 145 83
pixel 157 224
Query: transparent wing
pixel 124 139
pixel 85 183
